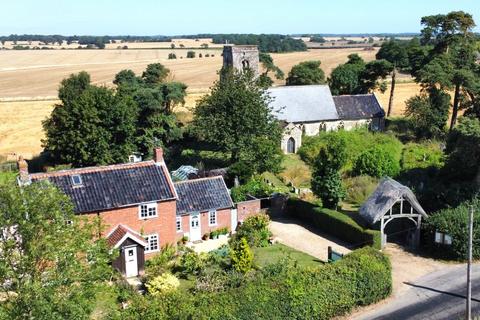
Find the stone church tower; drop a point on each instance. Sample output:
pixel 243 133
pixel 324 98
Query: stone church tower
pixel 241 57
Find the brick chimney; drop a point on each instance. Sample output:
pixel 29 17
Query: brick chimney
pixel 22 165
pixel 158 154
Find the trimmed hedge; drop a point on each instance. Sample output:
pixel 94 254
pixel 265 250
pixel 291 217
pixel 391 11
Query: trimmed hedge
pixel 335 223
pixel 280 291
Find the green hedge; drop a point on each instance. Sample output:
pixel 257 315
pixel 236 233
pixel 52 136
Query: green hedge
pixel 281 291
pixel 334 223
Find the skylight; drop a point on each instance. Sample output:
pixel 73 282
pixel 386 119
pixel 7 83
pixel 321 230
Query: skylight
pixel 77 180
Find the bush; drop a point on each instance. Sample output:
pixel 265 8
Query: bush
pixel 241 256
pixel 377 162
pixel 454 222
pixel 255 230
pixel 359 188
pixel 190 263
pixel 191 54
pixel 346 228
pixel 172 56
pixel 357 141
pixel 161 262
pixel 256 187
pixel 162 284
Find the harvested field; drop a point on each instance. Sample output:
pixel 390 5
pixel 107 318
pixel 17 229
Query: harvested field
pixel 36 73
pixel 403 91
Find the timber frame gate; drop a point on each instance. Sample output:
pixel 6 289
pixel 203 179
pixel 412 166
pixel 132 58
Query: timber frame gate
pixel 389 216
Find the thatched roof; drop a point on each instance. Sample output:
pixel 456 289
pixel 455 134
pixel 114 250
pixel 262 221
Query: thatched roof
pixel 384 197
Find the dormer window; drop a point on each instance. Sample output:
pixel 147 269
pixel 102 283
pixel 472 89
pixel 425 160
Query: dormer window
pixel 77 180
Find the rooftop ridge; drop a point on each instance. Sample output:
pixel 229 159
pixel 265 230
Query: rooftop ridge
pixel 72 171
pixel 199 179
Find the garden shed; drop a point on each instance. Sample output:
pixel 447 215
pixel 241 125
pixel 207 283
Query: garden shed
pixel 381 207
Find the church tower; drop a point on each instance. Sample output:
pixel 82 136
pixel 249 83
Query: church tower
pixel 241 57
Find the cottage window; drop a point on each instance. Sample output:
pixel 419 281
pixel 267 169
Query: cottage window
pixel 152 243
pixel 212 218
pixel 148 210
pixel 179 224
pixel 77 180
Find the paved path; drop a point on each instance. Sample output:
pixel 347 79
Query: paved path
pixel 436 296
pixel 295 235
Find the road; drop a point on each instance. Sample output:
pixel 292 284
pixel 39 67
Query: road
pixel 436 296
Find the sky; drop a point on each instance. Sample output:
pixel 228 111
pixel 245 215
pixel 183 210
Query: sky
pixel 177 17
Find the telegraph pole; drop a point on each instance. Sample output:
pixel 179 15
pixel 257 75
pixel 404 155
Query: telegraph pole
pixel 469 266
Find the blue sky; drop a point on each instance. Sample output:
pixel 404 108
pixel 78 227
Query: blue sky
pixel 150 17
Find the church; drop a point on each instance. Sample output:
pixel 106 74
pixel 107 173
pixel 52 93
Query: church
pixel 309 110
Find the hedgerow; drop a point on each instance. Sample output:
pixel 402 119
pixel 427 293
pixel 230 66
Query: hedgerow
pixel 335 223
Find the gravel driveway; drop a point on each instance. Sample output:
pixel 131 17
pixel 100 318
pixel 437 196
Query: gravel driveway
pixel 300 237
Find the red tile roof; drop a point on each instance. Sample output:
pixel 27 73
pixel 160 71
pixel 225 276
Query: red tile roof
pixel 117 234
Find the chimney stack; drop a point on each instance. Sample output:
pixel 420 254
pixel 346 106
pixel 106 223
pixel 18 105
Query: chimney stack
pixel 158 154
pixel 23 171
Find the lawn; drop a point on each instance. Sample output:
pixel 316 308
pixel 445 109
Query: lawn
pixel 273 253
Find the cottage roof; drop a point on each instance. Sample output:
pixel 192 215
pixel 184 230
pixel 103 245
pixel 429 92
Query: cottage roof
pixel 303 103
pixel 202 195
pixel 107 187
pixel 388 192
pixel 360 106
pixel 120 233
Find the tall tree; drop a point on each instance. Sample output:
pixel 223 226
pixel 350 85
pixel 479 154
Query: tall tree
pixel 269 66
pixel 236 116
pixel 357 77
pixel 155 73
pixel 453 40
pixel 93 125
pixel 395 53
pixel 306 73
pixel 48 269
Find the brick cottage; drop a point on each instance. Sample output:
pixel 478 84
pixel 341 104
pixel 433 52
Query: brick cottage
pixel 140 207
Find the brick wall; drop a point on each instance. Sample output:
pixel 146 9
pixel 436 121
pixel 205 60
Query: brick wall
pixel 248 208
pixel 163 225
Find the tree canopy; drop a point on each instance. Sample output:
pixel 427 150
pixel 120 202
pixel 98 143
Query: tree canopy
pixel 306 73
pixel 237 118
pixel 49 264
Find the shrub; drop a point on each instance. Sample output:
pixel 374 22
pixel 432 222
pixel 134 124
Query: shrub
pixel 159 263
pixel 357 141
pixel 162 284
pixel 359 188
pixel 191 54
pixel 190 263
pixel 255 230
pixel 346 228
pixel 255 187
pixel 377 162
pixel 172 56
pixel 241 256
pixel 454 222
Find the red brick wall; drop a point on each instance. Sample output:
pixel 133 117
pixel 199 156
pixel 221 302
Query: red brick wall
pixel 249 208
pixel 163 225
pixel 223 220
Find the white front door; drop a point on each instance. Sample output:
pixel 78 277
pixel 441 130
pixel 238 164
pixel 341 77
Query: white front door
pixel 234 218
pixel 195 228
pixel 131 264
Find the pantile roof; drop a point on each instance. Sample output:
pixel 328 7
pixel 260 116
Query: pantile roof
pixel 202 195
pixel 114 186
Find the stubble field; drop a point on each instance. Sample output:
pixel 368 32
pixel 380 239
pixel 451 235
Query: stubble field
pixel 29 81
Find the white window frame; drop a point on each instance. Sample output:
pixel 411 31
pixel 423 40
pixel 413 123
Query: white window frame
pixel 79 183
pixel 178 224
pixel 147 239
pixel 443 238
pixel 210 218
pixel 149 207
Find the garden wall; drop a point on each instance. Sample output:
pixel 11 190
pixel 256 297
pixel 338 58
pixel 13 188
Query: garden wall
pixel 334 223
